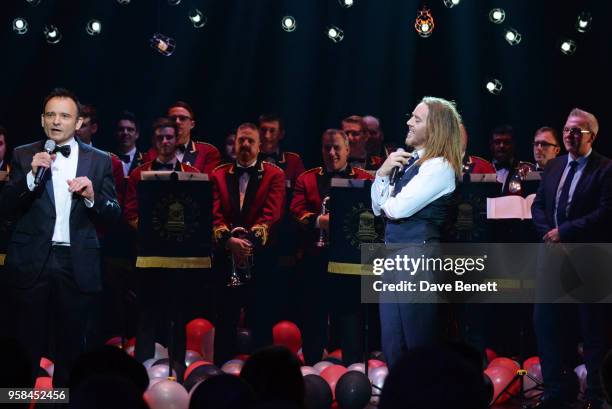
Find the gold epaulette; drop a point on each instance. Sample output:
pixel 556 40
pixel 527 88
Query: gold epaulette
pixel 318 169
pixel 205 143
pixel 272 164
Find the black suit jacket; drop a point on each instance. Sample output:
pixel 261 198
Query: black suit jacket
pixel 590 214
pixel 34 214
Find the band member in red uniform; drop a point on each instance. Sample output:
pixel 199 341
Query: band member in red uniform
pixel 201 155
pixel 272 131
pixel 249 194
pixel 156 284
pixel 310 190
pixel 357 132
pixel 471 163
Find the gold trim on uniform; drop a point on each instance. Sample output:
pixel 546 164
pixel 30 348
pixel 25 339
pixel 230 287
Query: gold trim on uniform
pixel 2 257
pixel 261 231
pixel 173 262
pixel 347 268
pixel 304 218
pixel 218 232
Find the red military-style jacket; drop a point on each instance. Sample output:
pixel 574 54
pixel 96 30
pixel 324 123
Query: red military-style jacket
pixel 476 164
pixel 290 162
pixel 262 207
pixel 201 155
pixel 310 189
pixel 117 168
pixel 130 208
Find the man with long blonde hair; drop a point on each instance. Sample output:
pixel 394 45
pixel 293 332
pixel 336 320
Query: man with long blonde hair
pixel 415 205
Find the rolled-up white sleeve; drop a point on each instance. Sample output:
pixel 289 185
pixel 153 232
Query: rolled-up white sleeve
pixel 435 179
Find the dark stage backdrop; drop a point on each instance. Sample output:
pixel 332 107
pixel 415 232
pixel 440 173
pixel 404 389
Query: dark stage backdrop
pixel 242 64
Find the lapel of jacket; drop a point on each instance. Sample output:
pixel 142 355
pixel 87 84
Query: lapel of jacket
pixel 190 154
pixel 231 181
pixel 585 180
pixel 252 187
pixel 83 165
pixel 137 161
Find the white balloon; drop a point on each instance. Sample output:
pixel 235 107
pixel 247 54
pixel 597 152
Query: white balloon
pixel 167 394
pixel 160 371
pixel 149 363
pixel 581 372
pixel 377 376
pixel 160 351
pixel 358 366
pixel 233 367
pixel 191 357
pixel 154 381
pixel 308 370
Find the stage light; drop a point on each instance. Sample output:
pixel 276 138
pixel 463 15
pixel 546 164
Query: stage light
pixel 33 3
pixel 494 86
pixel 424 23
pixel 197 18
pixel 174 2
pixel 123 2
pixel 94 27
pixel 347 3
pixel 497 16
pixel 162 44
pixel 512 36
pixel 451 3
pixel 20 26
pixel 52 34
pixel 568 47
pixel 583 23
pixel 288 23
pixel 335 34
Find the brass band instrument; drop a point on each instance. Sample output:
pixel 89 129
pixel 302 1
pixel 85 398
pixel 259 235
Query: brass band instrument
pixel 241 267
pixel 323 240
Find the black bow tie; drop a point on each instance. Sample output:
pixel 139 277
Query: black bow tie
pixel 124 158
pixel 251 170
pixel 338 174
pixel 64 150
pixel 162 166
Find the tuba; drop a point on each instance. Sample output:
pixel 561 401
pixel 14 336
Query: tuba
pixel 241 267
pixel 323 241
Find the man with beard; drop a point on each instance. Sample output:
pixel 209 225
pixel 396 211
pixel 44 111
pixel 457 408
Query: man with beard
pixel 248 196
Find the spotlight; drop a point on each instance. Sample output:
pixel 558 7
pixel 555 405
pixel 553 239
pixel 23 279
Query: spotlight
pixel 512 36
pixel 33 3
pixel 20 26
pixel 94 27
pixel 451 3
pixel 123 2
pixel 424 23
pixel 174 2
pixel 197 18
pixel 494 86
pixel 347 3
pixel 568 47
pixel 335 34
pixel 288 23
pixel 52 34
pixel 497 16
pixel 163 44
pixel 583 23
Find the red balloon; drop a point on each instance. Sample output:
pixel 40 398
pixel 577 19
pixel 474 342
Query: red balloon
pixel 506 363
pixel 336 354
pixel 491 355
pixel 242 357
pixel 529 362
pixel 196 329
pixel 500 378
pixel 331 374
pixel 45 362
pixel 375 363
pixel 114 341
pixel 130 342
pixel 194 366
pixel 43 383
pixel 287 334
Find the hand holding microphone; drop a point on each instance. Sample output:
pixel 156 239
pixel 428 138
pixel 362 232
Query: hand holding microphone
pixel 42 161
pixel 393 164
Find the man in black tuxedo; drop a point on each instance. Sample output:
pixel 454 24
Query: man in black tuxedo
pixel 573 205
pixel 53 258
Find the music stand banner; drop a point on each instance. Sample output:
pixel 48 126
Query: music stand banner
pixel 175 223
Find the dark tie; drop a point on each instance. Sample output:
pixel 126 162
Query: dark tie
pixel 124 158
pixel 562 205
pixel 64 150
pixel 162 166
pixel 181 148
pixel 249 171
pixel 397 186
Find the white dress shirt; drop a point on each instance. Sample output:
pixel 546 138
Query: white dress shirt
pixel 126 166
pixel 435 179
pixel 62 170
pixel 243 182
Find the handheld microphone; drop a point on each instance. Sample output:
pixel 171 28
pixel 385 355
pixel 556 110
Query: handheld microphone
pixel 395 170
pixel 41 171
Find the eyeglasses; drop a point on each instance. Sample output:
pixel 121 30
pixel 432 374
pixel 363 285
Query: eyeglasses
pixel 543 144
pixel 181 118
pixel 573 131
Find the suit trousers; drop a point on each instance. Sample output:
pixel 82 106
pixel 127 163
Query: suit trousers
pixel 51 316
